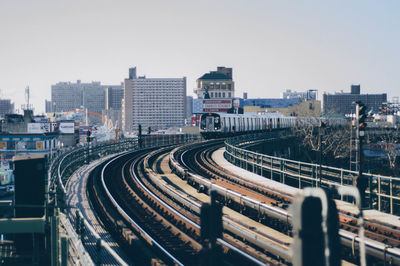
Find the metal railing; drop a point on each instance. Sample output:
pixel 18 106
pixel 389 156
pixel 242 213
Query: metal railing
pixel 382 191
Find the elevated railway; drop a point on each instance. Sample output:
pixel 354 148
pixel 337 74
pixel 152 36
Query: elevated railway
pixel 149 199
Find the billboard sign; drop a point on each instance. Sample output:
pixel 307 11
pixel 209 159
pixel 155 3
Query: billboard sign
pixel 83 130
pixel 67 127
pixel 39 128
pixel 216 105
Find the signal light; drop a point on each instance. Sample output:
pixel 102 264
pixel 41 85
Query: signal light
pixel 361 116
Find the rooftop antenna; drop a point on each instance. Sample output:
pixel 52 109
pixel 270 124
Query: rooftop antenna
pixel 27 106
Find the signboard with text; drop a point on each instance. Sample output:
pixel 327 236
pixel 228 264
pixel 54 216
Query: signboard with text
pixel 67 128
pixel 216 105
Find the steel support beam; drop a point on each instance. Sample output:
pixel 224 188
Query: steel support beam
pixel 22 225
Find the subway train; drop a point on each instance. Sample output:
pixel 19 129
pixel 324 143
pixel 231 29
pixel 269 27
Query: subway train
pixel 218 125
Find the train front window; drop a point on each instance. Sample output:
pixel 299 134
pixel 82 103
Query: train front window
pixel 217 123
pixel 203 122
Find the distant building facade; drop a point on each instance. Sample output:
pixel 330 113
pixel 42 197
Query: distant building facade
pixel 6 107
pixel 47 106
pixel 113 104
pixel 309 95
pixel 189 106
pixel 343 103
pixel 216 84
pixel 158 103
pixel 303 108
pixel 67 96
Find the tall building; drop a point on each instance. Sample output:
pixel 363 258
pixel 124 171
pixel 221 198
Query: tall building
pixel 113 104
pixel 6 107
pixel 344 103
pixel 158 103
pixel 47 106
pixel 67 96
pixel 216 84
pixel 189 106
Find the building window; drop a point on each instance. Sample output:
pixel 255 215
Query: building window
pixel 212 95
pixel 229 95
pixel 223 95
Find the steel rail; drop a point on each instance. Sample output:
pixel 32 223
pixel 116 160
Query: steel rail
pixel 126 216
pixel 227 226
pixel 373 248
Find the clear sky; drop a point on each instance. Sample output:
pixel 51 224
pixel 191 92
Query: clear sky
pixel 271 45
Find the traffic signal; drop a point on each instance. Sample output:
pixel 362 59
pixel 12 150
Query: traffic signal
pixel 88 134
pixel 140 130
pixel 362 115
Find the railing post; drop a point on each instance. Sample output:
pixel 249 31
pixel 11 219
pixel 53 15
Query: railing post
pixel 379 193
pixel 391 195
pixel 271 171
pixel 300 175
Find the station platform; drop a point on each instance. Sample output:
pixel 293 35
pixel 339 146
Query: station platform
pixel 345 207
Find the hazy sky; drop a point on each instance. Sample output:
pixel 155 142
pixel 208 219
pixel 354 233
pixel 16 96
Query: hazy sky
pixel 271 45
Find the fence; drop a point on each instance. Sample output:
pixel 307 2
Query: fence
pixel 382 192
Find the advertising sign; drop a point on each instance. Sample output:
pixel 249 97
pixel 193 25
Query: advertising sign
pixel 3 145
pixel 39 128
pixel 41 119
pixel 39 145
pixel 83 130
pixel 67 128
pixel 216 105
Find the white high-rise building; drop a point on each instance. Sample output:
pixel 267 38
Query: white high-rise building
pixel 158 103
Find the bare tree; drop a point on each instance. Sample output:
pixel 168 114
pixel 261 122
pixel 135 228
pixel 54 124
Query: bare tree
pixel 319 136
pixel 391 148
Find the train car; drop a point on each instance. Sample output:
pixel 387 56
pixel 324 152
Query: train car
pixel 216 125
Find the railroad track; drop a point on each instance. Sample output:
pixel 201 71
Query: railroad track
pixel 133 205
pixel 192 162
pixel 158 221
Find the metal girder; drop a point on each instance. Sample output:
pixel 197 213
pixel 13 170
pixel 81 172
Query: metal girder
pixel 22 225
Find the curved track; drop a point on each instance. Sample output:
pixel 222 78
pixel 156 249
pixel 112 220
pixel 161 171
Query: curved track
pixel 257 202
pixel 135 206
pixel 155 213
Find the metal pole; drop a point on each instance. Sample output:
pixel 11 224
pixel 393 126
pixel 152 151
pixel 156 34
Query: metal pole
pixel 64 251
pixel 54 240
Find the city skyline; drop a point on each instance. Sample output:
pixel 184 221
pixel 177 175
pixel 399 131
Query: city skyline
pixel 270 45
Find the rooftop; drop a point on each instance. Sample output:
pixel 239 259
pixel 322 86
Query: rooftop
pixel 214 75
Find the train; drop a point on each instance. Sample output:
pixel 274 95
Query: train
pixel 219 125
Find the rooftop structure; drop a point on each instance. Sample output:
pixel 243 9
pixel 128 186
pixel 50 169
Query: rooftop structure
pixel 216 84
